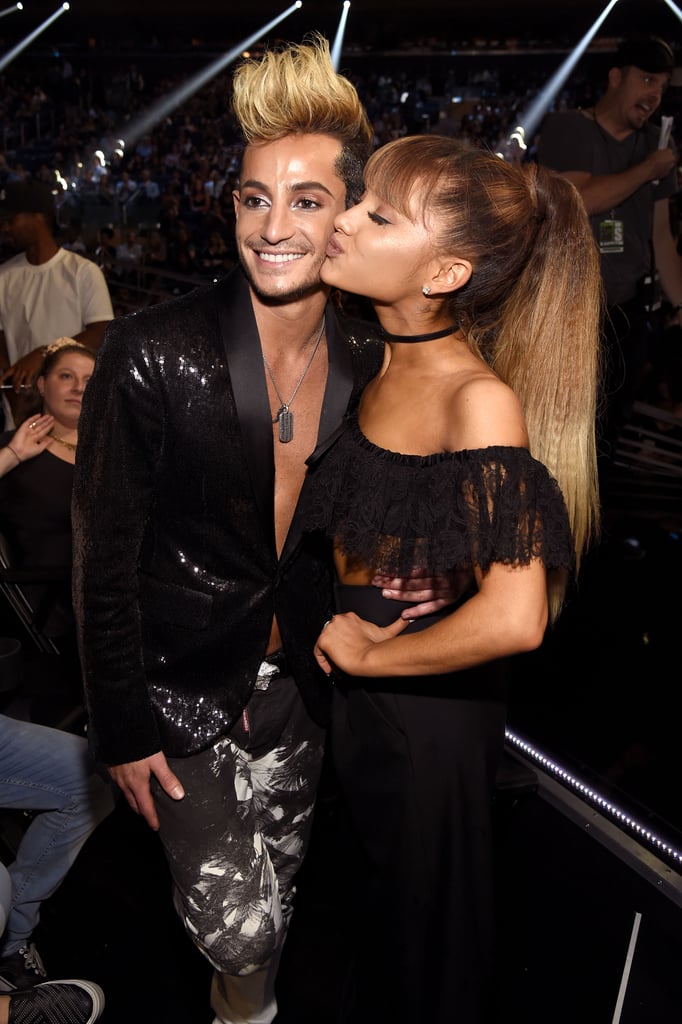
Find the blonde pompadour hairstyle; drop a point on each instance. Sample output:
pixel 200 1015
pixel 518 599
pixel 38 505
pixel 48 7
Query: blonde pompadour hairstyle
pixel 294 90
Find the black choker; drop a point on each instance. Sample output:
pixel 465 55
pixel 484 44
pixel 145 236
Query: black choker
pixel 420 337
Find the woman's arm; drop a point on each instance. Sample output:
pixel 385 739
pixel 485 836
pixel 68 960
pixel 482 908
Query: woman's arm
pixel 29 440
pixel 508 615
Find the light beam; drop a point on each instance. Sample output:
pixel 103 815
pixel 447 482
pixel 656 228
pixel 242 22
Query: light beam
pixel 9 57
pixel 533 115
pixel 145 122
pixel 674 8
pixel 340 32
pixel 10 10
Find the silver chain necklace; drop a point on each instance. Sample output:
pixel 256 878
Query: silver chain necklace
pixel 284 417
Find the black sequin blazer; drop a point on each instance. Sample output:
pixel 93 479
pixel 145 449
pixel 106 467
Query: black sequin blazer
pixel 176 576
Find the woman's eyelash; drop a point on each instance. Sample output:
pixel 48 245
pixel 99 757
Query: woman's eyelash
pixel 376 218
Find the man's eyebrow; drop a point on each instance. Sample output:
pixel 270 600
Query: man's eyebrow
pixel 297 186
pixel 311 186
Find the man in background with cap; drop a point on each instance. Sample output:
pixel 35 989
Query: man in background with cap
pixel 46 292
pixel 625 171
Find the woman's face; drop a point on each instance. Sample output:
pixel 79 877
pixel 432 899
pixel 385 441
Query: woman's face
pixel 62 388
pixel 377 252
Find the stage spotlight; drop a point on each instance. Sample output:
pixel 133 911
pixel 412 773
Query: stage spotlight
pixel 11 10
pixel 9 57
pixel 337 45
pixel 145 122
pixel 531 118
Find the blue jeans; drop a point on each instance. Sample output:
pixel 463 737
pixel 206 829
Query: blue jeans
pixel 50 772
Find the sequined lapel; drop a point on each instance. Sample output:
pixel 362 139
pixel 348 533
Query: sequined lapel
pixel 243 352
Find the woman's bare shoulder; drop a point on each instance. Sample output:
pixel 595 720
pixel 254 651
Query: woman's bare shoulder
pixel 484 411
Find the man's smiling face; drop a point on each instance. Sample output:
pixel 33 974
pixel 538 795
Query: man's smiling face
pixel 288 197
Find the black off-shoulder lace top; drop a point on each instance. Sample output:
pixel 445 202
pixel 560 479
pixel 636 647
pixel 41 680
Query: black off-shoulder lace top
pixel 396 513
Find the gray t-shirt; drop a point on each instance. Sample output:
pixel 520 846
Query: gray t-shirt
pixel 572 141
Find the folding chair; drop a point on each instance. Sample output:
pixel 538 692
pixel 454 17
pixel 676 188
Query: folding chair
pixel 51 672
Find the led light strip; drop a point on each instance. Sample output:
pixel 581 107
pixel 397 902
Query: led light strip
pixel 622 818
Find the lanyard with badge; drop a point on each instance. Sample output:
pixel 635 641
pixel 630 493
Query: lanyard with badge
pixel 611 235
pixel 611 230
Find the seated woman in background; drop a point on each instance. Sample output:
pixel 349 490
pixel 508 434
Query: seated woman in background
pixel 36 480
pixel 473 450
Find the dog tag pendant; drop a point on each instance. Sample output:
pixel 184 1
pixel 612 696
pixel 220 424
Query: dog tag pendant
pixel 286 425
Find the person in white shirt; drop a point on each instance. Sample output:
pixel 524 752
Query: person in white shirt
pixel 46 292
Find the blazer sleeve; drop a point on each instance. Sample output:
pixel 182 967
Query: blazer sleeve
pixel 120 444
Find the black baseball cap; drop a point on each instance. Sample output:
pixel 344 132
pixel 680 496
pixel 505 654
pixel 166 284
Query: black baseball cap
pixel 649 53
pixel 26 197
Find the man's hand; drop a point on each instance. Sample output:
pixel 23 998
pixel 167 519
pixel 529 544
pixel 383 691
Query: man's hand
pixel 431 593
pixel 133 780
pixel 659 163
pixel 25 370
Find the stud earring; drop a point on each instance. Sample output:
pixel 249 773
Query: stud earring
pixel 426 290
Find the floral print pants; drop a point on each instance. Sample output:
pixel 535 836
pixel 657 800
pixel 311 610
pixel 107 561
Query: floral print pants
pixel 236 840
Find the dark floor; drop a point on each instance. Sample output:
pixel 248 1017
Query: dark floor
pixel 567 908
pixel 601 694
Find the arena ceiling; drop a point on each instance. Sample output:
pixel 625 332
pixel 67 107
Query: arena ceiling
pixel 562 20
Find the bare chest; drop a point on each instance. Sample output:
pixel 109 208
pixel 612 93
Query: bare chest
pixel 294 433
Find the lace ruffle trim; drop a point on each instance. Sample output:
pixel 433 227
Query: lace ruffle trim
pixel 399 512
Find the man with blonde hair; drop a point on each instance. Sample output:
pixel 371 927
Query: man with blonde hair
pixel 198 598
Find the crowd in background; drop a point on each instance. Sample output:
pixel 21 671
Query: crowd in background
pixel 167 198
pixel 157 214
